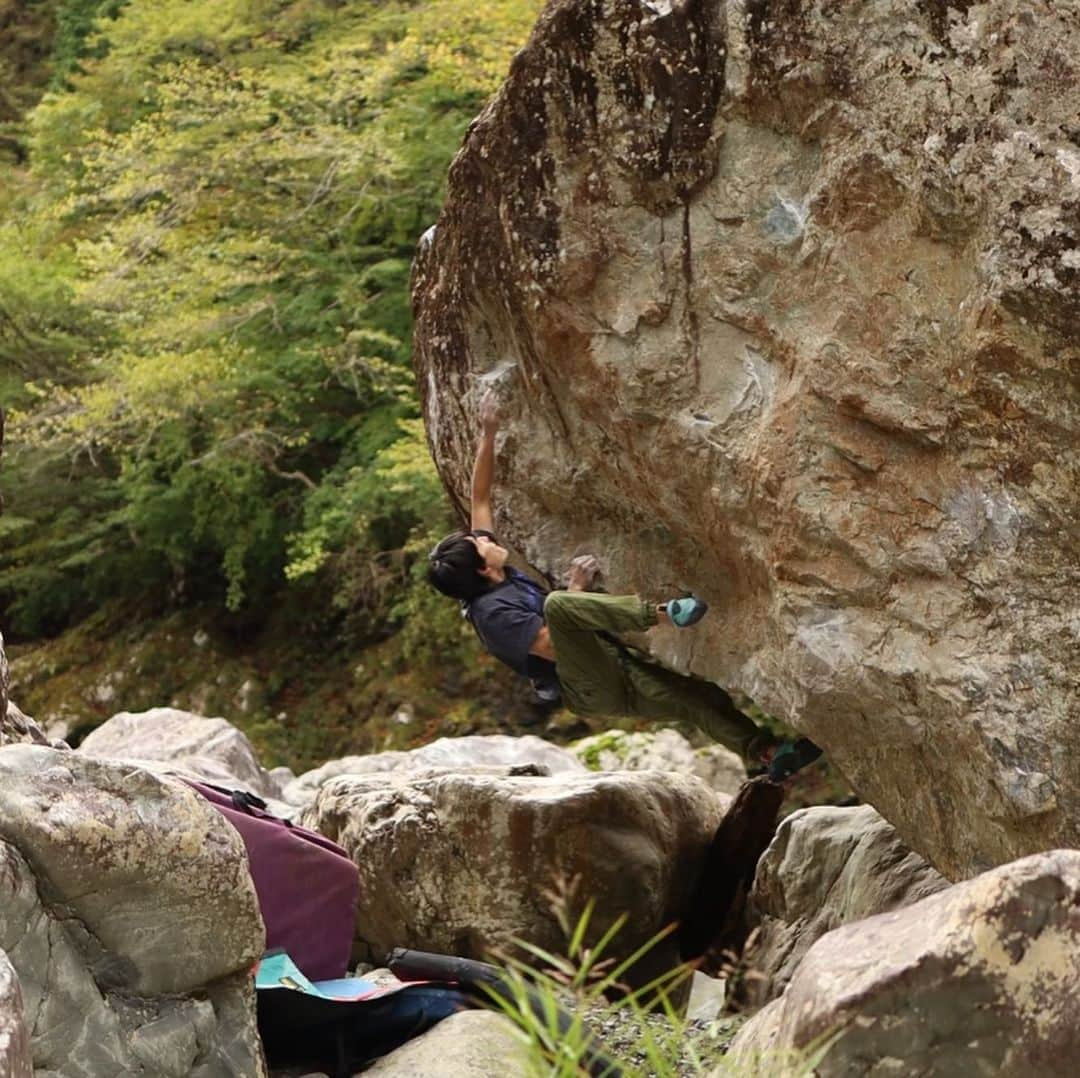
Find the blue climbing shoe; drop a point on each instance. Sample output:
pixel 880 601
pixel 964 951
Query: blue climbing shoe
pixel 686 611
pixel 792 756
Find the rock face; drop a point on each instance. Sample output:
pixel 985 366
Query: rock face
pixel 130 918
pixel 826 867
pixel 979 979
pixel 665 750
pixel 16 727
pixel 472 1044
pixel 15 1058
pixel 782 296
pixel 458 863
pixel 472 750
pixel 213 749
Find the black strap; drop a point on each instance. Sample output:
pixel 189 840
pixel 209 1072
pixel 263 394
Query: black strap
pixel 244 800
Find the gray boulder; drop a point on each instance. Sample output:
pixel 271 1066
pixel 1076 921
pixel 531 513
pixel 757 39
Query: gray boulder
pixel 826 867
pixel 460 863
pixel 17 727
pixel 15 1058
pixel 211 749
pixel 977 979
pixel 472 1044
pixel 472 750
pixel 662 750
pixel 130 919
pixel 280 777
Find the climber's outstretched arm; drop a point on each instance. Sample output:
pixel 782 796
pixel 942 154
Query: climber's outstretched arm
pixel 483 473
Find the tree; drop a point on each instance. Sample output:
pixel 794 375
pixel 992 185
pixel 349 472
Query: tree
pixel 213 356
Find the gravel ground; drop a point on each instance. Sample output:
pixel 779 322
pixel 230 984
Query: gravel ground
pixel 695 1050
pixel 690 1052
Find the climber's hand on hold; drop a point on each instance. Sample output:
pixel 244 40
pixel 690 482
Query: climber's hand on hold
pixel 584 570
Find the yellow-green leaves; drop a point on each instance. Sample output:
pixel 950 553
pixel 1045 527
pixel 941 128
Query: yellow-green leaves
pixel 220 213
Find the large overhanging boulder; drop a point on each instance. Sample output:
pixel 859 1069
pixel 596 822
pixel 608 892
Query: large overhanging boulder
pixel 783 300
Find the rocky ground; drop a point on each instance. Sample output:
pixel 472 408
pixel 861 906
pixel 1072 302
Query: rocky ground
pixel 847 925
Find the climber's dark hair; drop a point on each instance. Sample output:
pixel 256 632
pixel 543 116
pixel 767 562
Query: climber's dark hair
pixel 455 566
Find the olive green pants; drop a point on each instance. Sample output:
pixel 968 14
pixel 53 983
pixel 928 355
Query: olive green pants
pixel 601 677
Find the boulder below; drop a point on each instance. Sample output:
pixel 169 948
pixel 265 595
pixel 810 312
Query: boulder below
pixel 15 727
pixel 461 863
pixel 472 1044
pixel 826 867
pixel 978 979
pixel 130 919
pixel 662 750
pixel 211 749
pixel 471 750
pixel 15 1058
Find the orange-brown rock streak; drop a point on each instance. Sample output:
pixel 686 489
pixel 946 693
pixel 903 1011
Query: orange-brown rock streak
pixel 783 300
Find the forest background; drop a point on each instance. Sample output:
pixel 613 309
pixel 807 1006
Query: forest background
pixel 218 491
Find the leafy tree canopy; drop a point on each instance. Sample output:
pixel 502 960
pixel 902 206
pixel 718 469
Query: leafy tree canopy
pixel 204 320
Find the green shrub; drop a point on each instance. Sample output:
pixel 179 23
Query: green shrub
pixel 204 299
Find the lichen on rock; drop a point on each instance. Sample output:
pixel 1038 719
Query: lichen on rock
pixel 979 978
pixel 130 918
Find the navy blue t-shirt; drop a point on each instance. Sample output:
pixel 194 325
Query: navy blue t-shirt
pixel 507 619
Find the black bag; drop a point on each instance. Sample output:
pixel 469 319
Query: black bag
pixel 299 1024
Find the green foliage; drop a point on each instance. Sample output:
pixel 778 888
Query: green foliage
pixel 204 317
pixel 75 20
pixel 41 44
pixel 613 741
pixel 26 30
pixel 576 985
pixel 41 324
pixel 60 523
pixel 587 987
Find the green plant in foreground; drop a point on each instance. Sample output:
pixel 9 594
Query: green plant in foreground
pixel 556 1001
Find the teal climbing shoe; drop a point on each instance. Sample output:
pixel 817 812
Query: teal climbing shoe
pixel 686 611
pixel 792 756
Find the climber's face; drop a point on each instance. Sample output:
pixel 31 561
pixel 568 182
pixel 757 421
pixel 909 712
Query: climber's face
pixel 493 556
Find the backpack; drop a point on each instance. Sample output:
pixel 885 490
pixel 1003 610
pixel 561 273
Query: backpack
pixel 340 1025
pixel 306 885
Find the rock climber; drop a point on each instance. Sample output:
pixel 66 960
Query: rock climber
pixel 565 642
